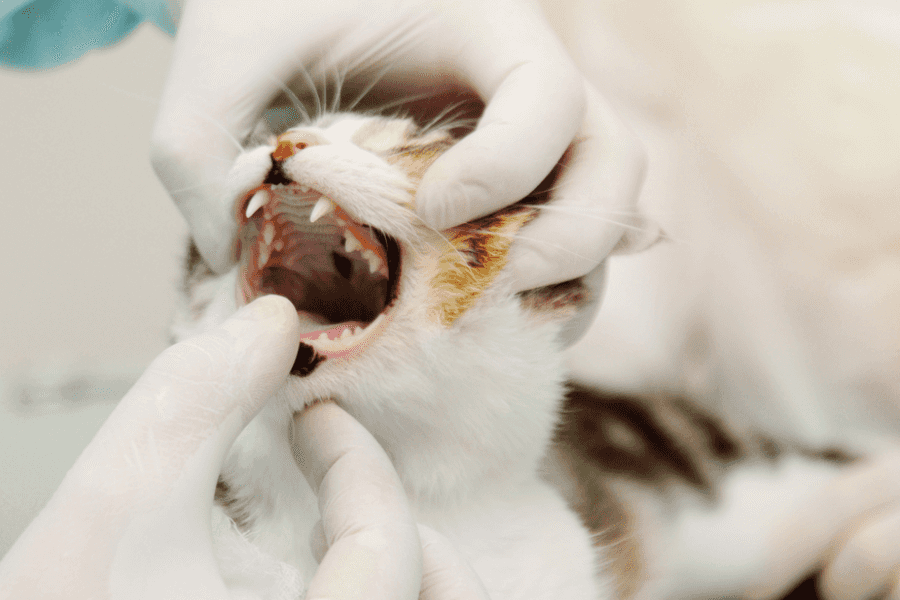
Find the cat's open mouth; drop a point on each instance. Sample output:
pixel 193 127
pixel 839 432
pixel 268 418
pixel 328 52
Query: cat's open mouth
pixel 340 275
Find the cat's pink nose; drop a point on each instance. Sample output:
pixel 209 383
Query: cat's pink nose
pixel 290 142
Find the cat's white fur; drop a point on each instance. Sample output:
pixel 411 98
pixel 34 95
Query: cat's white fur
pixel 771 128
pixel 464 412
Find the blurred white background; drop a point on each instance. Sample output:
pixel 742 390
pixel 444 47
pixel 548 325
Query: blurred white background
pixel 91 249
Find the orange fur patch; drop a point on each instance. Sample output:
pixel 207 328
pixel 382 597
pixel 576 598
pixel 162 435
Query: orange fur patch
pixel 479 252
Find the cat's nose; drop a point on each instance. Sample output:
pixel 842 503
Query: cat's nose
pixel 291 142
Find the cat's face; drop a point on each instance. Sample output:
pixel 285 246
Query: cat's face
pixel 414 331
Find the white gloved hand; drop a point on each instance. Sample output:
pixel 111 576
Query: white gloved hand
pixel 850 530
pixel 131 519
pixel 232 57
pixel 368 545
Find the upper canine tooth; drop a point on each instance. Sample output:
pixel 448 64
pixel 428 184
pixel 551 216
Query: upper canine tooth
pixel 258 200
pixel 351 243
pixel 323 207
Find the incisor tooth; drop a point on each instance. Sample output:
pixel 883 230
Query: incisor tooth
pixel 323 207
pixel 263 257
pixel 345 333
pixel 258 200
pixel 357 330
pixel 304 188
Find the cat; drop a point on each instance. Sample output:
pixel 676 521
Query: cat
pixel 417 334
pixel 750 361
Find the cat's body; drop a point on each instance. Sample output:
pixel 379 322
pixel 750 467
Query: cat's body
pixel 771 131
pixel 459 379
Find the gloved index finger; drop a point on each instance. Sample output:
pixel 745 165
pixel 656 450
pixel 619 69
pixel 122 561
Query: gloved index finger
pixel 535 106
pixel 374 549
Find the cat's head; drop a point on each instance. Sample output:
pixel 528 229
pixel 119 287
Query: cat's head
pixel 414 331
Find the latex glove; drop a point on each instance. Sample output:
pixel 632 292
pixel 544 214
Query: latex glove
pixel 131 519
pixel 368 545
pixel 851 531
pixel 233 56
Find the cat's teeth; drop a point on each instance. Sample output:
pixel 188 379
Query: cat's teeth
pixel 279 245
pixel 304 188
pixel 258 200
pixel 375 263
pixel 323 207
pixel 351 243
pixel 346 333
pixel 263 256
pixel 269 233
pixel 323 337
pixel 357 330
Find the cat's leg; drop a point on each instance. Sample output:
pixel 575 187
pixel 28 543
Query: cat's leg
pixel 263 492
pixel 524 543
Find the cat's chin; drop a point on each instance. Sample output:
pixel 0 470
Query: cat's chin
pixel 341 275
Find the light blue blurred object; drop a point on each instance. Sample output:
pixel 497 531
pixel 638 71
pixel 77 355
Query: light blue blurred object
pixel 46 33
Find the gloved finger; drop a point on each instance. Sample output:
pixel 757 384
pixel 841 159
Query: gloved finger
pixel 202 391
pixel 592 207
pixel 373 544
pixel 808 536
pixel 575 328
pixel 142 491
pixel 894 591
pixel 535 106
pixel 223 74
pixel 866 565
pixel 445 573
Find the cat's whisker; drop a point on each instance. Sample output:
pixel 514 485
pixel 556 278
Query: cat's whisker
pixel 308 80
pixel 381 108
pixel 372 83
pixel 295 101
pixel 587 214
pixel 517 236
pixel 220 127
pixel 576 211
pixel 338 84
pixel 437 120
pixel 462 257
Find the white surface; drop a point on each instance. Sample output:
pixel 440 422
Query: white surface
pixel 91 250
